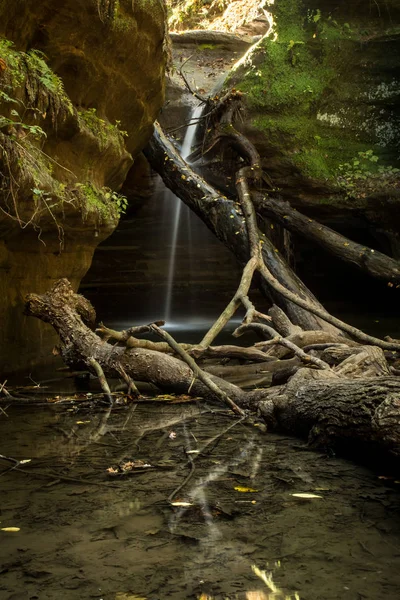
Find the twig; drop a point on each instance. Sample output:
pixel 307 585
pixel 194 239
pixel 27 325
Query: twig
pixel 56 477
pixel 278 339
pixel 131 384
pixel 197 372
pixel 195 94
pixel 3 389
pixel 102 378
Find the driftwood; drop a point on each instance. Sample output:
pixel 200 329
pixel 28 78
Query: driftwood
pixel 226 220
pixel 325 405
pixel 80 345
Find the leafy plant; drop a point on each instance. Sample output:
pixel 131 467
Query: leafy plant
pixel 35 130
pixel 362 174
pixel 121 201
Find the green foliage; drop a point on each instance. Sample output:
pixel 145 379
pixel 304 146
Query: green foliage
pixel 28 74
pixel 363 175
pixel 108 203
pixel 12 126
pixel 103 130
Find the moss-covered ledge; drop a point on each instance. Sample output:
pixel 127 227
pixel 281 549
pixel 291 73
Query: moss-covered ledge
pixel 322 94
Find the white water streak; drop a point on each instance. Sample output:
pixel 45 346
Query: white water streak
pixel 176 212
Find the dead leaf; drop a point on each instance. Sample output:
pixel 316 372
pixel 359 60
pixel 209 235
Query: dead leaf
pixel 11 529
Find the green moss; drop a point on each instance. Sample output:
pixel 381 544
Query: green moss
pixel 207 47
pixel 105 132
pixel 308 91
pixel 108 204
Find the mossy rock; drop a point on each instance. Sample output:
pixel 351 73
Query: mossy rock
pixel 322 88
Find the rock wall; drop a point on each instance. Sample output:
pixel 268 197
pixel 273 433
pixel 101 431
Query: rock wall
pixel 81 83
pixel 321 95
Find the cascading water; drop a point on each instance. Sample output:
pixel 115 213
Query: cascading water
pixel 176 209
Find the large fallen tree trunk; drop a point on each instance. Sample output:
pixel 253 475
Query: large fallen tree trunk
pixel 202 36
pixel 229 221
pixel 324 405
pixel 358 414
pixel 66 311
pixel 366 259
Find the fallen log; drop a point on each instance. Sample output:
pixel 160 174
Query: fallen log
pixel 341 414
pixel 62 308
pixel 225 218
pixel 222 38
pixel 365 259
pixel 324 405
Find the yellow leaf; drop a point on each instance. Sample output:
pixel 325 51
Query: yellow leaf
pixel 181 504
pixel 306 496
pixel 13 529
pixel 239 488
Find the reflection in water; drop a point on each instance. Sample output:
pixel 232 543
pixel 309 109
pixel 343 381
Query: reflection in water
pixel 85 534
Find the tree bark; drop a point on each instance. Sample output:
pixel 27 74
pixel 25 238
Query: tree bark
pixel 202 36
pixel 337 413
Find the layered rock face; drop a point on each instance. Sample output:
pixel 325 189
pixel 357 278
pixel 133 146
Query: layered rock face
pixel 322 97
pixel 81 84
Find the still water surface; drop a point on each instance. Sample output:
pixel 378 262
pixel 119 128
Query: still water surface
pixel 87 534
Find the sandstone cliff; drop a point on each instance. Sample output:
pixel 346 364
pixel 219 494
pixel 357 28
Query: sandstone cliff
pixel 81 83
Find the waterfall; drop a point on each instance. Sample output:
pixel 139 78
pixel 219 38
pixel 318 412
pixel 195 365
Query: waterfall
pixel 176 210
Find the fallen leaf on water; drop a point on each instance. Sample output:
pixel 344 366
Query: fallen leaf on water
pixel 181 504
pixel 13 529
pixel 239 488
pixel 305 495
pixel 26 460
